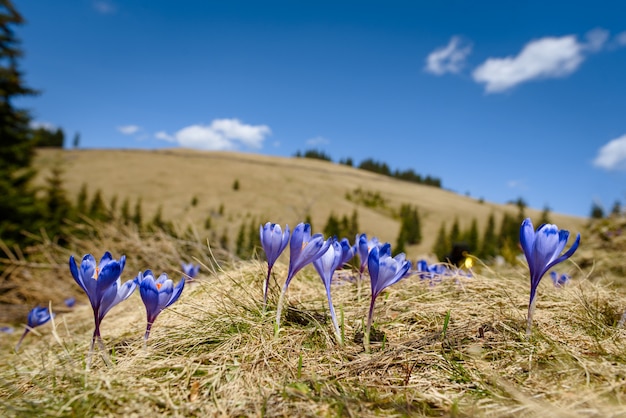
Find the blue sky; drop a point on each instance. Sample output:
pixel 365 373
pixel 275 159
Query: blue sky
pixel 497 99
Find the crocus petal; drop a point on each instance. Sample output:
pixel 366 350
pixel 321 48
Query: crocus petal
pixel 108 275
pixel 567 254
pixel 76 275
pixel 165 290
pixel 347 251
pixel 301 234
pixel 149 295
pixel 178 290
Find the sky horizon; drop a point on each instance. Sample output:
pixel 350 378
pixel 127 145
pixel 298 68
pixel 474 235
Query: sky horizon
pixel 499 101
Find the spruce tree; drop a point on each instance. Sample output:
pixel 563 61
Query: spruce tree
pixel 455 232
pixel 240 241
pixel 489 246
pixel 18 206
pixel 97 210
pixel 332 227
pixel 442 245
pixel 137 216
pixel 545 216
pixel 471 237
pixel 57 205
pixel 81 200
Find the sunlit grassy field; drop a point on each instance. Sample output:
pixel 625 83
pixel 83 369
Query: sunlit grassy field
pixel 457 348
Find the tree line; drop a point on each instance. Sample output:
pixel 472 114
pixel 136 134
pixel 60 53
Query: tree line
pixel 374 166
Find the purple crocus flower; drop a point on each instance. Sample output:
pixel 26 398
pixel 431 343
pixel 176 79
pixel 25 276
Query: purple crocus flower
pixel 384 271
pixel 190 270
pixel 559 280
pixel 103 286
pixel 70 302
pixel 303 250
pixel 274 241
pixel 362 247
pixel 347 251
pixel 326 265
pixel 433 272
pixel 37 316
pixel 157 294
pixel 542 249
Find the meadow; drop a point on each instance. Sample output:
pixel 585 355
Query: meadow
pixel 454 348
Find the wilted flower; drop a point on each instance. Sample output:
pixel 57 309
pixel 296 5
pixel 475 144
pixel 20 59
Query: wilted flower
pixel 157 294
pixel 273 241
pixel 37 316
pixel 191 270
pixel 102 285
pixel 303 250
pixel 542 249
pixel 559 280
pixel 326 265
pixel 384 271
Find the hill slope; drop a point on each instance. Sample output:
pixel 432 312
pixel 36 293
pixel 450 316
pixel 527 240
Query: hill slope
pixel 276 189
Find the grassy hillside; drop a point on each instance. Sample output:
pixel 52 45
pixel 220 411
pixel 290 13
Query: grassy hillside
pixel 281 190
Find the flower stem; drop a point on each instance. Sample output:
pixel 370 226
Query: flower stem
pixel 147 335
pixel 366 336
pixel 333 316
pixel 19 343
pixel 279 309
pixel 266 286
pixel 529 320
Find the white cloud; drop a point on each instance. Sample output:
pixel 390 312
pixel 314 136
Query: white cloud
pixel 221 134
pixel 164 136
pixel 612 155
pixel 516 184
pixel 543 58
pixel 104 7
pixel 596 39
pixel 620 39
pixel 448 59
pixel 44 125
pixel 128 129
pixel 318 140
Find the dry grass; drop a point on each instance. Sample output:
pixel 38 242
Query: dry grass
pixel 277 189
pixel 214 353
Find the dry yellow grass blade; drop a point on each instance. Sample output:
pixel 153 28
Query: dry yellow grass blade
pixel 457 348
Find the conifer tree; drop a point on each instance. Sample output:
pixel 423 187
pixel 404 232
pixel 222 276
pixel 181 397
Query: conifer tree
pixel 97 210
pixel 471 237
pixel 489 246
pixel 137 216
pixel 332 227
pixel 18 205
pixel 442 245
pixel 455 232
pixel 113 207
pixel 254 239
pixel 81 200
pixel 125 211
pixel 57 205
pixel 597 212
pixel 353 229
pixel 545 216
